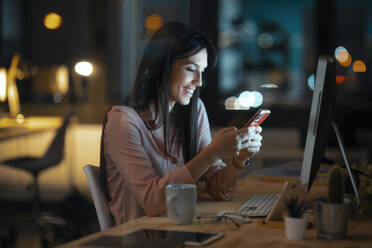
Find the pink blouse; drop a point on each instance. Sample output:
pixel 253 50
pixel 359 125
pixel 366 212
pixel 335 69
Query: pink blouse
pixel 137 172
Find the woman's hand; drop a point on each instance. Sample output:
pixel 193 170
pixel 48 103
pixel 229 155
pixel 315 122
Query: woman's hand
pixel 250 143
pixel 226 143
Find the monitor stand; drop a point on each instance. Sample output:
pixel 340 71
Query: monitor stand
pixel 341 145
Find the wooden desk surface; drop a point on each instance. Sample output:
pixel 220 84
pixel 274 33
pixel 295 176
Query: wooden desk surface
pixel 254 234
pixel 10 128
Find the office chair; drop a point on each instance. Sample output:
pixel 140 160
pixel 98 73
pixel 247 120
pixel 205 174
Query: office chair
pixel 99 199
pixel 53 156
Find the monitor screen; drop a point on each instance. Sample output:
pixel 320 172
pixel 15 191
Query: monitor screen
pixel 321 113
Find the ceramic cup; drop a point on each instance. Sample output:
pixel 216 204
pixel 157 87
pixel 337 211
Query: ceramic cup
pixel 181 203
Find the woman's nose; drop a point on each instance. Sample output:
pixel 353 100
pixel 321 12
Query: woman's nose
pixel 198 79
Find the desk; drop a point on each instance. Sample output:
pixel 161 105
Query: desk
pixel 250 235
pixel 10 128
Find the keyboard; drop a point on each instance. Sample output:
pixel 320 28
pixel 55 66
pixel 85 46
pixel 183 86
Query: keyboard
pixel 258 205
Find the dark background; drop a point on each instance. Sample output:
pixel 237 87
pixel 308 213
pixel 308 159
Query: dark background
pixel 99 31
pixel 112 35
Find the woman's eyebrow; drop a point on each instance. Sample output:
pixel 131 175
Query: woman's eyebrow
pixel 188 63
pixel 193 63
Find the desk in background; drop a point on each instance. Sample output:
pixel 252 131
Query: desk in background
pixel 10 128
pixel 254 234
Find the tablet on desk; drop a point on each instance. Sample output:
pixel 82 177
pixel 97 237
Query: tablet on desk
pixel 156 238
pixel 290 190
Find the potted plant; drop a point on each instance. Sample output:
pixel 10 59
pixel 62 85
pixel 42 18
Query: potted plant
pixel 332 215
pixel 295 222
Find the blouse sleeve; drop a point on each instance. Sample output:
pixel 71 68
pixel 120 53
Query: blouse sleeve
pixel 213 181
pixel 125 145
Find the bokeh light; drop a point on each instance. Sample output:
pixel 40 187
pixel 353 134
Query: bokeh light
pixel 232 103
pixel 347 62
pixel 84 68
pixel 340 79
pixel 2 84
pixel 62 79
pixel 246 99
pixel 343 56
pixel 227 38
pixel 52 21
pixel 359 66
pixel 311 81
pixel 265 40
pixel 20 118
pixel 258 99
pixel 340 53
pixel 269 85
pixel 153 22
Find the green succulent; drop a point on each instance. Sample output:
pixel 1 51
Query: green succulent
pixel 294 207
pixel 336 185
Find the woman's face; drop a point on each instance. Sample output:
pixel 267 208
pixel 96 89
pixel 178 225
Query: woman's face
pixel 186 76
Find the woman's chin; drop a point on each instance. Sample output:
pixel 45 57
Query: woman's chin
pixel 185 101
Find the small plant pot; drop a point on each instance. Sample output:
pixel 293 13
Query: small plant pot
pixel 332 219
pixel 295 228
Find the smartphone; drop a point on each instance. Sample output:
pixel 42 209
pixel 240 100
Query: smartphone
pixel 258 117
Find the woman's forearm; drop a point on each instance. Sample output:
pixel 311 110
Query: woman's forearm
pixel 201 162
pixel 222 183
pixel 229 175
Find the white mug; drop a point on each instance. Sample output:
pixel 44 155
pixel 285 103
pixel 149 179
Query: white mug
pixel 181 203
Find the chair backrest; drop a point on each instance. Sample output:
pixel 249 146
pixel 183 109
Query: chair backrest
pixel 55 151
pixel 99 199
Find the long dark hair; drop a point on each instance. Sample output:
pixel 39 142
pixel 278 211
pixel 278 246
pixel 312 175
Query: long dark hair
pixel 171 42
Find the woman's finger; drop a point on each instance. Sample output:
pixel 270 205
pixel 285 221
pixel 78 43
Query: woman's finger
pixel 254 144
pixel 227 129
pixel 258 129
pixel 250 144
pixel 251 137
pixel 253 150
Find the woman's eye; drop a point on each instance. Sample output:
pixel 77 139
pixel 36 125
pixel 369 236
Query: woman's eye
pixel 190 70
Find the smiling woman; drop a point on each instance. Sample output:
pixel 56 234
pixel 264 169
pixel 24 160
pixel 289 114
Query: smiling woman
pixel 163 136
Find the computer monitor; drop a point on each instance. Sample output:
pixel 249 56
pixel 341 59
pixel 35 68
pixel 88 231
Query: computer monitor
pixel 321 113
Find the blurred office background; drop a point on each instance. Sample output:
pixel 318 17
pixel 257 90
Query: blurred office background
pixel 84 53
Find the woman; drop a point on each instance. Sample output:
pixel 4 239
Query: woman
pixel 163 136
